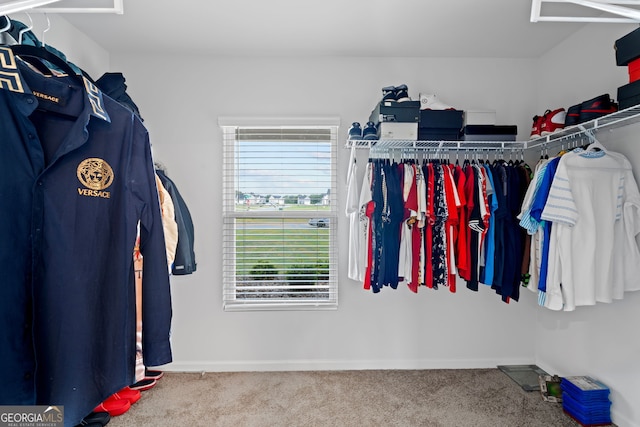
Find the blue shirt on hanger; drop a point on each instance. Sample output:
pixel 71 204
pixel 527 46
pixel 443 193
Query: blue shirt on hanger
pixel 537 207
pixel 76 177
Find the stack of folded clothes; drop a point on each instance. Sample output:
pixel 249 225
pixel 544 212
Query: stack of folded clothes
pixel 586 401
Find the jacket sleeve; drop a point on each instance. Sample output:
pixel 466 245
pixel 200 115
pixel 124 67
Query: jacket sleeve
pixel 156 296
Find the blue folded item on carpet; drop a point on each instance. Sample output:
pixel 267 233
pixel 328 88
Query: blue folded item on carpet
pixel 587 423
pixel 585 389
pixel 600 409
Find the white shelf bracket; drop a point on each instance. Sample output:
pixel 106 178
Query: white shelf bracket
pixel 615 7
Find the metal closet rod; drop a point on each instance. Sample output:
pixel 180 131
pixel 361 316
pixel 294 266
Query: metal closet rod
pixel 450 145
pixel 35 6
pixel 447 151
pixel 628 15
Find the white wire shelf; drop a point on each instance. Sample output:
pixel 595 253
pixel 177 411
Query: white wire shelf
pixel 620 118
pixel 434 145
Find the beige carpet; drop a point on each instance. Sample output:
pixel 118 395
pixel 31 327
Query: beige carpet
pixel 438 398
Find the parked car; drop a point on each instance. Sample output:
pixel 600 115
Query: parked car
pixel 319 222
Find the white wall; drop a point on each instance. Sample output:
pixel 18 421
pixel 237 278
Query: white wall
pixel 601 341
pixel 181 101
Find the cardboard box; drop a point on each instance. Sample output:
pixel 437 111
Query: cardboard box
pixel 479 117
pixel 627 47
pixel 393 111
pixel 398 130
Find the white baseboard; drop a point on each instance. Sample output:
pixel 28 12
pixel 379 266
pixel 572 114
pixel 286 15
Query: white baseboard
pixel 621 420
pixel 335 365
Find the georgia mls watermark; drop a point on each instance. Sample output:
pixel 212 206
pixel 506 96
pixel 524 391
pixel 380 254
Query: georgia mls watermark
pixel 32 416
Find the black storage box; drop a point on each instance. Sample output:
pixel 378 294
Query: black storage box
pixel 393 111
pixel 440 125
pixel 490 132
pixel 628 48
pixel 629 95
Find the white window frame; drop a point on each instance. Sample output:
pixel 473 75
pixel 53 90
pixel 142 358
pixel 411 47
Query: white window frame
pixel 231 302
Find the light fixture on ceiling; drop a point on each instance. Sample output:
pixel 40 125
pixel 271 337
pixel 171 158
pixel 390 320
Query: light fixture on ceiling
pixel 616 7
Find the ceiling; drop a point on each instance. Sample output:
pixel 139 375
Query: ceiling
pixel 352 28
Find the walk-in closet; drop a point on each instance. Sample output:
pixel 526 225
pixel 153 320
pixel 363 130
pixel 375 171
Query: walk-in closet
pixel 183 211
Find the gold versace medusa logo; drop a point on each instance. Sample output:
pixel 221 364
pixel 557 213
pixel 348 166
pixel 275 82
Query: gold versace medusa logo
pixel 95 174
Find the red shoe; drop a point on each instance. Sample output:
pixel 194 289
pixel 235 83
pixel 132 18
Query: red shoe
pixel 537 124
pixel 553 120
pixel 126 393
pixel 114 407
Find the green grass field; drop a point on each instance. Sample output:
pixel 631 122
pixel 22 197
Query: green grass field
pixel 281 247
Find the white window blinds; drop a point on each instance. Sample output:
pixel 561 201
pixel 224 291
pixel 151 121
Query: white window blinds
pixel 280 216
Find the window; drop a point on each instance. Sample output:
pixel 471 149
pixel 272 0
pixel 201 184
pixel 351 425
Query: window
pixel 280 214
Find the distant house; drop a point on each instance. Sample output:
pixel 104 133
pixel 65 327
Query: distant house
pixel 250 199
pixel 276 200
pixel 304 200
pixel 325 200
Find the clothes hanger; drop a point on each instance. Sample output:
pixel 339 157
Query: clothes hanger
pixel 42 53
pixel 45 30
pixel 36 63
pixel 7 27
pixel 594 143
pixel 25 29
pixel 33 54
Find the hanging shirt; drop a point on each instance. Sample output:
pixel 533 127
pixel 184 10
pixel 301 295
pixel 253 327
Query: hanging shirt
pixel 417 235
pixel 533 227
pixel 76 176
pixel 513 237
pixel 476 227
pixel 525 179
pixel 485 213
pixel 430 219
pixel 377 191
pixel 537 207
pixel 392 220
pixel 365 211
pixel 453 209
pixel 487 276
pixel 185 259
pixel 410 221
pixel 352 213
pixel 169 225
pixel 586 204
pixel 439 236
pixel 499 220
pixel 462 256
pixel 469 194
